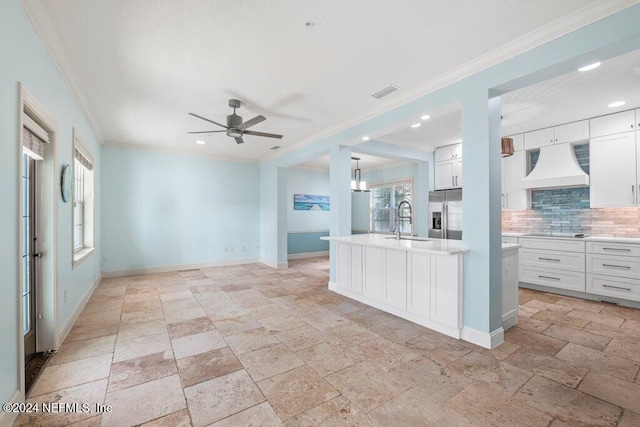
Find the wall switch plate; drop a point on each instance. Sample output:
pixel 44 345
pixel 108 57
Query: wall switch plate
pixel 230 248
pixel 242 248
pixel 226 249
pixel 104 257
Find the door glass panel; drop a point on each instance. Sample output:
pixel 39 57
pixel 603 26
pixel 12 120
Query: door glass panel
pixel 27 239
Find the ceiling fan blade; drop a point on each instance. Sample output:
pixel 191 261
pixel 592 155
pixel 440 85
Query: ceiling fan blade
pixel 252 122
pixel 268 135
pixel 239 140
pixel 207 120
pixel 209 131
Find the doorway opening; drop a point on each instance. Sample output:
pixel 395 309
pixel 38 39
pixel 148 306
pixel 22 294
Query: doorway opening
pixel 39 192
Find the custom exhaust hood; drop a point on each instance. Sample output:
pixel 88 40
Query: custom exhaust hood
pixel 557 167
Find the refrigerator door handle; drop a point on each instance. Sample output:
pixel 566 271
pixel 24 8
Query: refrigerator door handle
pixel 445 222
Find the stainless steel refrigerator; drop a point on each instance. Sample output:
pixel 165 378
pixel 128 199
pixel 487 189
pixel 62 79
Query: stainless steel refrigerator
pixel 445 214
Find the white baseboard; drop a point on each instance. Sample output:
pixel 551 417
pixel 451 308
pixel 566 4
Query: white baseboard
pixel 64 331
pixel 278 266
pixel 308 255
pixel 483 339
pixel 152 270
pixel 7 418
pixel 510 319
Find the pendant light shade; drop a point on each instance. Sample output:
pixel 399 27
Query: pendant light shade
pixel 507 147
pixel 357 184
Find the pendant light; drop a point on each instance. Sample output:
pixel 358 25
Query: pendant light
pixel 357 184
pixel 507 147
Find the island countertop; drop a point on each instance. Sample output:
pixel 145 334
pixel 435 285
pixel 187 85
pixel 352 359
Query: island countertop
pixel 431 246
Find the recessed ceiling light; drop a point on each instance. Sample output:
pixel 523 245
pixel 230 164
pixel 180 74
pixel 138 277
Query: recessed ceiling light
pixel 415 125
pixel 365 138
pixel 425 117
pixel 617 104
pixel 199 142
pixel 590 66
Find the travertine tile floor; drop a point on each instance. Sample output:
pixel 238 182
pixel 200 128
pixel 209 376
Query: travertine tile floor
pixel 249 345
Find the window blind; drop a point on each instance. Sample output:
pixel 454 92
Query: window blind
pixel 83 159
pixel 32 143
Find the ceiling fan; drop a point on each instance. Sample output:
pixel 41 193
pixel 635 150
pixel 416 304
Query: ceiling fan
pixel 235 127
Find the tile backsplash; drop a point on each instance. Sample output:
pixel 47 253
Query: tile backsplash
pixel 566 210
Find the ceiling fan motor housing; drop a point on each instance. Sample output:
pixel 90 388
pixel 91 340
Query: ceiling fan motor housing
pixel 233 121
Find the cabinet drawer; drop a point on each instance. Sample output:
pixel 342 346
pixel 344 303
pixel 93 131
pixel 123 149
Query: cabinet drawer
pixel 568 280
pixel 564 245
pixel 506 239
pixel 604 248
pixel 553 259
pixel 613 266
pixel 613 287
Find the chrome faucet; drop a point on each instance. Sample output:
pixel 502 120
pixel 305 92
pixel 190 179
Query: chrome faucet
pixel 400 217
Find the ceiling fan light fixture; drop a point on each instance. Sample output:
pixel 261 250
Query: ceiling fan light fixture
pixel 234 133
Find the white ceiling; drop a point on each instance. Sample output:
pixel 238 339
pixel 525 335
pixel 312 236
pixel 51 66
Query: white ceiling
pixel 367 162
pixel 573 96
pixel 138 66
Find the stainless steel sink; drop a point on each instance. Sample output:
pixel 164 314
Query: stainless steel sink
pixel 419 239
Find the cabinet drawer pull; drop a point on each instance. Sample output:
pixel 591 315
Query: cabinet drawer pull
pixel 626 267
pixel 616 287
pixel 549 277
pixel 617 249
pixel 548 259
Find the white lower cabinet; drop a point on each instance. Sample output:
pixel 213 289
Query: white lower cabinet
pixel 445 294
pixel 554 263
pixel 422 287
pixel 613 270
pixel 395 279
pixel 373 272
pixel 419 280
pixel 509 287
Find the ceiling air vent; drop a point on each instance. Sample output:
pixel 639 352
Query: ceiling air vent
pixel 275 147
pixel 384 91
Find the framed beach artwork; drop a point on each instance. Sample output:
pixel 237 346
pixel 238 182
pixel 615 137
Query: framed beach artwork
pixel 310 202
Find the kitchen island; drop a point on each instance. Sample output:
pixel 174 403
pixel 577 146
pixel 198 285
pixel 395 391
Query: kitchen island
pixel 418 279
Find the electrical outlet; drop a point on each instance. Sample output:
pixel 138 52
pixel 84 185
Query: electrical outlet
pixel 104 257
pixel 257 247
pixel 65 296
pixel 242 248
pixel 226 249
pixel 230 248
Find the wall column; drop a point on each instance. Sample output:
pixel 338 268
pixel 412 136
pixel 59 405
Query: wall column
pixel 421 200
pixel 340 184
pixel 481 219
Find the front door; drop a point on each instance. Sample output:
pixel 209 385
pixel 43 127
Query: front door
pixel 30 254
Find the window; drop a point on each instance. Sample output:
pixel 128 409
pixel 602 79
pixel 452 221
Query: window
pixel 384 202
pixel 82 200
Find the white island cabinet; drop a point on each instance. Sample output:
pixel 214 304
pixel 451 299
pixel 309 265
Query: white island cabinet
pixel 418 280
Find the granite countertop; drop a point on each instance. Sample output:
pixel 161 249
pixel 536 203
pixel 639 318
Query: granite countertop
pixel 432 246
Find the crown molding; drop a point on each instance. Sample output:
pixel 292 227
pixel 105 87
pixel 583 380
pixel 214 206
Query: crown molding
pixel 36 11
pixel 155 149
pixel 584 16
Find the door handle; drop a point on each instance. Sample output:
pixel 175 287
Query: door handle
pixel 502 199
pixel 616 287
pixel 38 255
pixel 507 199
pixel 626 267
pixel 633 193
pixel 453 181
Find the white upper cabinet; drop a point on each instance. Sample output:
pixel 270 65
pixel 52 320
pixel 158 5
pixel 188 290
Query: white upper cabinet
pixel 449 152
pixel 539 138
pixel 638 119
pixel 448 167
pixel 612 163
pixel 571 132
pixel 613 124
pixel 513 172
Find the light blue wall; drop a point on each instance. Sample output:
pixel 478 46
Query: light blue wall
pixel 24 59
pixel 171 210
pixel 301 243
pixel 612 36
